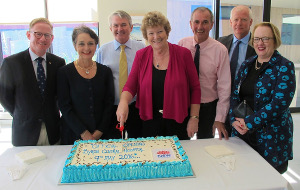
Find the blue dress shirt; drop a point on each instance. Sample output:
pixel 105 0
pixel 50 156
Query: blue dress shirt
pixel 109 55
pixel 242 50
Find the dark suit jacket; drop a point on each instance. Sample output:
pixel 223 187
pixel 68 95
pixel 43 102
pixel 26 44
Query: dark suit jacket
pixel 227 42
pixel 21 97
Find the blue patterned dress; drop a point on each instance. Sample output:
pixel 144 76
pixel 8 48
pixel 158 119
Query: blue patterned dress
pixel 272 121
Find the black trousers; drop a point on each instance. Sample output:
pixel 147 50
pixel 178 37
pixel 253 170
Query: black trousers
pixel 207 117
pixel 228 127
pixel 159 126
pixel 133 124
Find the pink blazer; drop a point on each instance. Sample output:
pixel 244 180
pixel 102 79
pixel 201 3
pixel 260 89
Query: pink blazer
pixel 181 89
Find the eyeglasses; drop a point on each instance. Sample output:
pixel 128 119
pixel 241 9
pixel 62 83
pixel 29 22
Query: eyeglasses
pixel 263 39
pixel 39 35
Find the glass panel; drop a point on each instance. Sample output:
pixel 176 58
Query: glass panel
pixel 75 10
pixel 14 40
pixel 225 9
pixel 16 11
pixel 286 16
pixel 179 15
pixel 62 43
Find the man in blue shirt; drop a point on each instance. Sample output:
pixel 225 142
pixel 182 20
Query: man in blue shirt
pixel 109 54
pixel 240 21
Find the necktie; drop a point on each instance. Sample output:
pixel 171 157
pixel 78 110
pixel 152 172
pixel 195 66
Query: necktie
pixel 123 71
pixel 234 61
pixel 197 57
pixel 41 75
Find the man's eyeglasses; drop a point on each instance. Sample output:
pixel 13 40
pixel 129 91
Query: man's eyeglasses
pixel 263 39
pixel 39 35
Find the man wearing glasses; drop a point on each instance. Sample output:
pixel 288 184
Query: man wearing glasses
pixel 28 89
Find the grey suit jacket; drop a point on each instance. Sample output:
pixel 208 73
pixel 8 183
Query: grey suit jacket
pixel 21 97
pixel 227 42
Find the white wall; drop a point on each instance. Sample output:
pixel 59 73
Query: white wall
pixel 132 7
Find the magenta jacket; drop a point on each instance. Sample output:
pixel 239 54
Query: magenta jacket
pixel 181 89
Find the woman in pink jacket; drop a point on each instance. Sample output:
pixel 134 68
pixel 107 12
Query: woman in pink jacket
pixel 164 78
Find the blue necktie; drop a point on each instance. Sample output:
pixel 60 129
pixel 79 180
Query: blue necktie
pixel 197 57
pixel 234 61
pixel 41 75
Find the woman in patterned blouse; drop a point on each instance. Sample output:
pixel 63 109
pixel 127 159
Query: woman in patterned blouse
pixel 267 83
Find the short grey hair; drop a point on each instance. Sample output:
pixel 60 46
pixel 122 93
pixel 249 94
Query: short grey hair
pixel 241 7
pixel 84 29
pixel 202 9
pixel 121 14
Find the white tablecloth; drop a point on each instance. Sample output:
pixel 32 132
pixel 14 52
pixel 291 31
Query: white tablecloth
pixel 251 170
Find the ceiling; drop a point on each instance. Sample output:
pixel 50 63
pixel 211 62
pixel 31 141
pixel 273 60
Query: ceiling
pixel 294 4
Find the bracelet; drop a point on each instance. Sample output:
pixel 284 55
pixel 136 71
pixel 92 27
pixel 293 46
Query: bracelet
pixel 194 116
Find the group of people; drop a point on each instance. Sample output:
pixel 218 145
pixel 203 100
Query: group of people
pixel 163 89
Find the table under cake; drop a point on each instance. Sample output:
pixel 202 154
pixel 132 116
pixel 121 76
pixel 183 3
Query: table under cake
pixel 251 170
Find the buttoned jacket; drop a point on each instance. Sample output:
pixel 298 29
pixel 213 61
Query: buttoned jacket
pixel 21 97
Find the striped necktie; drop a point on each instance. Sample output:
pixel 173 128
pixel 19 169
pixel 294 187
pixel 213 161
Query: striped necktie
pixel 123 71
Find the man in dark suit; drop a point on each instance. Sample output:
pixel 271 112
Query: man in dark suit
pixel 240 21
pixel 28 89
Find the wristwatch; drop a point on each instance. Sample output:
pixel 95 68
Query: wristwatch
pixel 194 116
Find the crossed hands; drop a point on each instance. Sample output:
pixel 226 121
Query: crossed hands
pixel 86 135
pixel 240 126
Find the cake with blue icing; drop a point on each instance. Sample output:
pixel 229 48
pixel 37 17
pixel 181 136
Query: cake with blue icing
pixel 130 159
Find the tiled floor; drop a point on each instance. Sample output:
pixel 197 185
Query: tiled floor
pixel 292 175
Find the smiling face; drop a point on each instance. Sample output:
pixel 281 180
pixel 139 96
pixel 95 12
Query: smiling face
pixel 264 50
pixel 85 46
pixel 157 37
pixel 201 24
pixel 240 21
pixel 120 28
pixel 39 46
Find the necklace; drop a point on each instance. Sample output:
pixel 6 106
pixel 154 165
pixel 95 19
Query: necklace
pixel 157 63
pixel 257 67
pixel 87 70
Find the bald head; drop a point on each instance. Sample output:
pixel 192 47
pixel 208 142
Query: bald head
pixel 241 21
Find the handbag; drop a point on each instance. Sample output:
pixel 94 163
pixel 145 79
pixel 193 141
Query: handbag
pixel 242 110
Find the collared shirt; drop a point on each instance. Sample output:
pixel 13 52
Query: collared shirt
pixel 242 50
pixel 214 76
pixel 35 63
pixel 109 54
